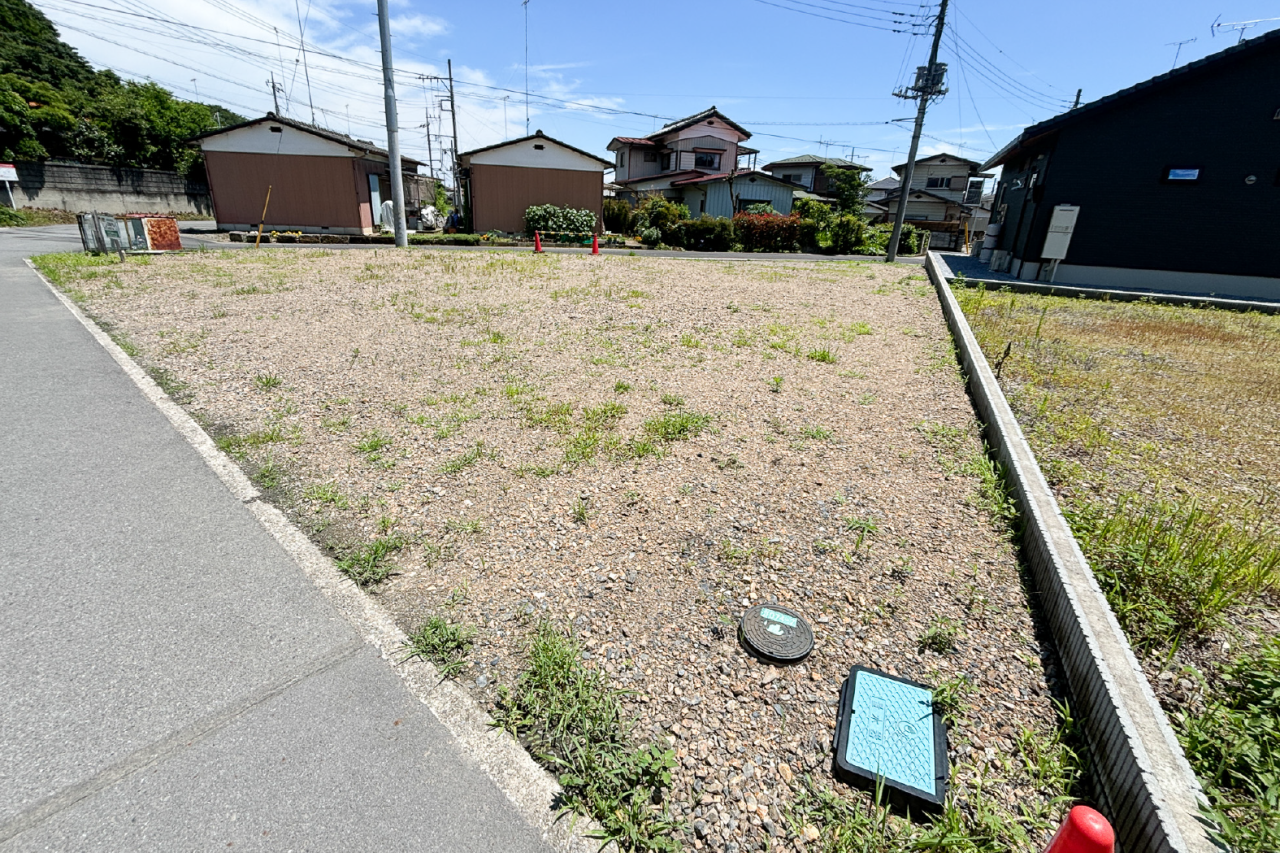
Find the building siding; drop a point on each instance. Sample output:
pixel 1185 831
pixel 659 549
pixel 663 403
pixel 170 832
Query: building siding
pixel 1111 165
pixel 306 191
pixel 501 194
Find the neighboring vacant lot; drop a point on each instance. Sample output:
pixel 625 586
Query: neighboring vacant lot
pixel 633 450
pixel 1159 427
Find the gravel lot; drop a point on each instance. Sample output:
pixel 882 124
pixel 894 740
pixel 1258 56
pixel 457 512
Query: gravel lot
pixel 839 488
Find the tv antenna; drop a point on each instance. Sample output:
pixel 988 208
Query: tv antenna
pixel 1178 52
pixel 1240 26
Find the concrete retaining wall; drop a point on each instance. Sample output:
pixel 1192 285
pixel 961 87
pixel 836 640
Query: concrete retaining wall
pixel 1149 791
pixel 82 189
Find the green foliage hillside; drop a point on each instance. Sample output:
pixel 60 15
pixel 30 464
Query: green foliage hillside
pixel 53 105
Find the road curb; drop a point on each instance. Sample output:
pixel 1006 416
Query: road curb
pixel 1150 793
pixel 531 790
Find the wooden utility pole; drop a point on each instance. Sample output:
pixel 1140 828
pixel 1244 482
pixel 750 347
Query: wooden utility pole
pixel 393 135
pixel 928 85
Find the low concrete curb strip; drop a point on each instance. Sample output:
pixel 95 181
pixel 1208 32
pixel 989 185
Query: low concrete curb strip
pixel 529 788
pixel 1151 795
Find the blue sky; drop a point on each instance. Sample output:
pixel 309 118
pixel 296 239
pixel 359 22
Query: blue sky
pixel 810 76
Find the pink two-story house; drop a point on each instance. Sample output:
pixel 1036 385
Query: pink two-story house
pixel 701 161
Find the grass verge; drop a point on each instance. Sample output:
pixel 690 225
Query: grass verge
pixel 367 564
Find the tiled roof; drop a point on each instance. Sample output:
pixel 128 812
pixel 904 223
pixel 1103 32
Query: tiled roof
pixel 944 155
pixel 893 194
pixel 631 140
pixel 815 160
pixel 696 118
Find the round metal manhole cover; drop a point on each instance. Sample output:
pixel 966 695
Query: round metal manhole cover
pixel 776 633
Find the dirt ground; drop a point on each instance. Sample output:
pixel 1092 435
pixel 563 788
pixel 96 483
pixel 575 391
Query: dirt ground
pixel 638 448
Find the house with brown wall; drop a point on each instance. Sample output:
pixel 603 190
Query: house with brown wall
pixel 502 181
pixel 321 181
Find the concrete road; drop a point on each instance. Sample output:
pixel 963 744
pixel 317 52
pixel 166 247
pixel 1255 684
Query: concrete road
pixel 169 677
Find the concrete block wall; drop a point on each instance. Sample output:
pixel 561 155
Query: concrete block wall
pixel 1149 791
pixel 82 189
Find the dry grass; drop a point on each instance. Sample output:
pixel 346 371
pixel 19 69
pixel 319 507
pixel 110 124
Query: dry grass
pixel 600 443
pixel 1160 429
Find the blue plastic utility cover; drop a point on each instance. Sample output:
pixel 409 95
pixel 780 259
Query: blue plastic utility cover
pixel 887 729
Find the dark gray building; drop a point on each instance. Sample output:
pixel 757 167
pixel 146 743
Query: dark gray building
pixel 1176 181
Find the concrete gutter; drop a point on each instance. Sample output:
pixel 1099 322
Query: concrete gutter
pixel 1112 295
pixel 1148 789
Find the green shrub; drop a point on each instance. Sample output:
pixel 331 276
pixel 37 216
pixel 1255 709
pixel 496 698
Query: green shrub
pixel 808 235
pixel 548 217
pixel 764 208
pixel 9 217
pixel 657 211
pixel 618 217
pixel 708 234
pixel 650 236
pixel 759 233
pixel 807 208
pixel 847 232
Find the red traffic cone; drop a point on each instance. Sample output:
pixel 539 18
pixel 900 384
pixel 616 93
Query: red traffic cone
pixel 1084 831
pixel 595 244
pixel 537 242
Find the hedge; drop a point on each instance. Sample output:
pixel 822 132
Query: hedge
pixel 548 217
pixel 764 233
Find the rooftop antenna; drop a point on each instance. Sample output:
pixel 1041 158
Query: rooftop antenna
pixel 526 66
pixel 1178 52
pixel 1240 26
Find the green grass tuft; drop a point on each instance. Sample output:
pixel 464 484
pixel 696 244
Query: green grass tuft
pixel 367 565
pixel 676 426
pixel 572 721
pixel 442 643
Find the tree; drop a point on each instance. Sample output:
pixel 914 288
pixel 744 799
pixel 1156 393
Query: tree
pixel 30 47
pixel 54 105
pixel 847 186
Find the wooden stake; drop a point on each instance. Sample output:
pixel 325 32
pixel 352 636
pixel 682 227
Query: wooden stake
pixel 258 241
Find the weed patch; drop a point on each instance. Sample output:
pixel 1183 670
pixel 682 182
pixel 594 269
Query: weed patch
pixel 367 565
pixel 572 721
pixel 442 643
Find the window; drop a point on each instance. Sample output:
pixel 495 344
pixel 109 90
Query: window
pixel 1182 175
pixel 666 162
pixel 791 179
pixel 937 183
pixel 706 160
pixel 651 156
pixel 622 159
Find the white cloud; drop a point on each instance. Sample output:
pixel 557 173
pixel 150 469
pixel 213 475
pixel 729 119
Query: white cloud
pixel 422 26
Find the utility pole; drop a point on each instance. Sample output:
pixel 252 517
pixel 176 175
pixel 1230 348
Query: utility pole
pixel 1079 92
pixel 526 66
pixel 275 87
pixel 307 71
pixel 393 139
pixel 928 85
pixel 453 112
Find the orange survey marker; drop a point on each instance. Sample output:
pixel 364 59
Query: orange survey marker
pixel 1084 831
pixel 537 242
